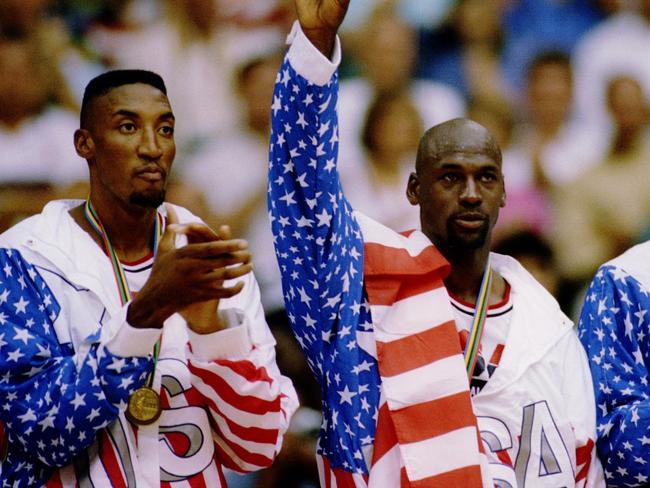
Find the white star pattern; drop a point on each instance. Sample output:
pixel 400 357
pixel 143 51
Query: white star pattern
pixel 318 245
pixel 610 325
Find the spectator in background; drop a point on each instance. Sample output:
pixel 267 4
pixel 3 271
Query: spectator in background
pixel 386 48
pixel 534 26
pixel 606 210
pixel 555 147
pixel 618 46
pixel 36 153
pixel 390 138
pixel 535 254
pixel 196 47
pixel 242 153
pixel 466 51
pixel 527 207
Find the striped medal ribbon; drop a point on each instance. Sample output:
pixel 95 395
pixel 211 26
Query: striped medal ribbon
pixel 144 405
pixel 480 313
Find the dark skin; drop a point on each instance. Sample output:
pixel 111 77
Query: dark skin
pixel 129 146
pixel 458 183
pixel 459 187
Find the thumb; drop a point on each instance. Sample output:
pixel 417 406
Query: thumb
pixel 225 233
pixel 168 239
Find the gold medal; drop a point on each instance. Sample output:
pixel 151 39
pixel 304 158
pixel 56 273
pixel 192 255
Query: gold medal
pixel 144 406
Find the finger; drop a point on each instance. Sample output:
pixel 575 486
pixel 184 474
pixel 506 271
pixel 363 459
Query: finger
pixel 229 291
pixel 225 232
pixel 167 241
pixel 229 273
pixel 204 266
pixel 212 249
pixel 198 232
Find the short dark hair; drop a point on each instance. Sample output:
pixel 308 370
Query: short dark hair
pixel 551 56
pixel 102 84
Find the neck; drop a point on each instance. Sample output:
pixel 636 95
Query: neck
pixel 128 228
pixel 625 141
pixel 467 269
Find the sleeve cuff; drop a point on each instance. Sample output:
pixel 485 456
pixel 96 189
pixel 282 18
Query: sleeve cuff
pixel 232 342
pixel 308 61
pixel 129 341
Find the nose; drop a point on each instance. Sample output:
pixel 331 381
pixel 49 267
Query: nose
pixel 149 147
pixel 471 193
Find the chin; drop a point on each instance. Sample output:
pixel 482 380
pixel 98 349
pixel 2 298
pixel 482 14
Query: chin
pixel 153 199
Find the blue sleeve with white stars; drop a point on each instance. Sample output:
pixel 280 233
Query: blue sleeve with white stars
pixel 319 248
pixel 51 401
pixel 614 330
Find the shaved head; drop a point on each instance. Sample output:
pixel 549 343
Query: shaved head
pixel 455 136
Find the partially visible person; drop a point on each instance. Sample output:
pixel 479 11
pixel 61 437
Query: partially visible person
pixel 412 395
pixel 607 209
pixel 386 47
pixel 137 353
pixel 614 331
pixel 34 129
pixel 535 254
pixel 557 147
pixel 616 47
pixel 242 153
pixel 466 52
pixel 527 206
pixel 390 135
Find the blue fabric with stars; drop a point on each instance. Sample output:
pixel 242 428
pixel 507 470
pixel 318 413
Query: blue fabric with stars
pixel 320 253
pixel 614 330
pixel 51 401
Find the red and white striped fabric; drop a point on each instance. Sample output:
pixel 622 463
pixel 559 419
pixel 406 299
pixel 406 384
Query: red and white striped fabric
pixel 220 413
pixel 427 434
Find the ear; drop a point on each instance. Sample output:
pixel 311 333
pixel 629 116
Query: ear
pixel 84 144
pixel 503 199
pixel 413 189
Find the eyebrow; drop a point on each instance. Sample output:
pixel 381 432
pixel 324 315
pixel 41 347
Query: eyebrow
pixel 128 113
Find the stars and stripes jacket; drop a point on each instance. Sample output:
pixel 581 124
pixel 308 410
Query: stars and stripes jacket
pixel 614 328
pixel 69 360
pixel 370 311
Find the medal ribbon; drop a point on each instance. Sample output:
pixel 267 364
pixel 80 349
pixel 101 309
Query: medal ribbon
pixel 118 271
pixel 480 313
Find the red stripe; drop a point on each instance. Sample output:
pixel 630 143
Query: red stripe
pixel 436 417
pixel 222 477
pixel 254 434
pixel 197 481
pixel 496 355
pixel 467 477
pixel 379 259
pixel 403 479
pixel 344 479
pixel 109 459
pixel 418 350
pixel 246 403
pixel 385 437
pixel 504 457
pixel 583 458
pixel 243 455
pixel 327 473
pixel 386 290
pixel 55 480
pixel 247 370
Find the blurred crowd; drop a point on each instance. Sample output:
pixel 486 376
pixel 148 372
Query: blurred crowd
pixel 563 84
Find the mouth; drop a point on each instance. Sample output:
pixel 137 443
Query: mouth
pixel 151 174
pixel 470 220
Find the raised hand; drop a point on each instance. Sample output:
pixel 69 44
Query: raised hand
pixel 320 20
pixel 193 274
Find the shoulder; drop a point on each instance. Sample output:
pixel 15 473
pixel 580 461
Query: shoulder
pixel 526 288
